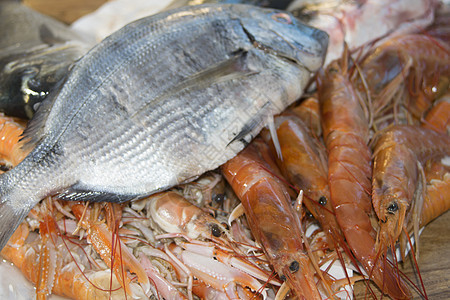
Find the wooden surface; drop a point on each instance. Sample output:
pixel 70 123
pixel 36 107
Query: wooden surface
pixel 434 260
pixel 65 10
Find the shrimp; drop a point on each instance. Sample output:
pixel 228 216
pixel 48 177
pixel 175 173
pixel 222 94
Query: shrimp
pixel 304 164
pixel 271 218
pixel 346 132
pixel 11 152
pixel 413 67
pixel 174 214
pixel 438 117
pixel 215 273
pixel 214 263
pixel 53 264
pixel 437 196
pixel 399 154
pixel 309 112
pixel 111 249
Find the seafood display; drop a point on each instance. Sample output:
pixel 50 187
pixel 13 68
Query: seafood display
pixel 206 152
pixel 36 53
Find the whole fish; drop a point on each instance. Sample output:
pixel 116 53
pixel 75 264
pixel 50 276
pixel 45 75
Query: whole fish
pixel 36 53
pixel 160 102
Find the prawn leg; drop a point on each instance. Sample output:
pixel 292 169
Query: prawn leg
pixel 111 249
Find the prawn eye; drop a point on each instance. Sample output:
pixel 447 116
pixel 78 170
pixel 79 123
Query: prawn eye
pixel 392 208
pixel 215 230
pixel 5 167
pixel 294 266
pixel 322 200
pixel 282 18
pixel 219 198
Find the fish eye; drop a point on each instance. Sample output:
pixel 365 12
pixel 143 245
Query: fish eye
pixel 219 198
pixel 392 208
pixel 5 167
pixel 215 230
pixel 282 18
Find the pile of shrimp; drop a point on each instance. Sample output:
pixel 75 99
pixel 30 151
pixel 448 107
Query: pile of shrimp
pixel 361 159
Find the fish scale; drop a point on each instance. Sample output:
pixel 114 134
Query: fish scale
pixel 159 103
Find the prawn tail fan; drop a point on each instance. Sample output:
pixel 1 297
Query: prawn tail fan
pixel 10 219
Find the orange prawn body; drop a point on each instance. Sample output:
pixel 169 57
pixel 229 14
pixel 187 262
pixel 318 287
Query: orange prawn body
pixel 11 152
pixel 437 193
pixel 43 263
pixel 304 164
pixel 271 218
pixel 309 112
pixel 438 117
pixel 110 248
pixel 397 154
pixel 436 199
pixel 346 131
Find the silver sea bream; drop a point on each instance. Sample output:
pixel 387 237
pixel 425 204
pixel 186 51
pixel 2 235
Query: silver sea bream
pixel 160 102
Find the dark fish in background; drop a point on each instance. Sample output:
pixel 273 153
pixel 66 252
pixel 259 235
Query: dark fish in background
pixel 159 103
pixel 36 53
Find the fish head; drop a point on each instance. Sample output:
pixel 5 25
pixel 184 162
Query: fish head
pixel 280 33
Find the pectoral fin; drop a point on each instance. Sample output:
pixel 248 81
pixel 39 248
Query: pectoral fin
pixel 79 193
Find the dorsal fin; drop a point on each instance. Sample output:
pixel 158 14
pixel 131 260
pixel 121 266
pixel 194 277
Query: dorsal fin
pixel 274 136
pixel 34 132
pixel 258 119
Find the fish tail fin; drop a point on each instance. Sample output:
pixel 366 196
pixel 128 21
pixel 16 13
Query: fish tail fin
pixel 10 219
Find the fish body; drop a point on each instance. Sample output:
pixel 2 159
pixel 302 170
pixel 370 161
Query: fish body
pixel 36 53
pixel 160 102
